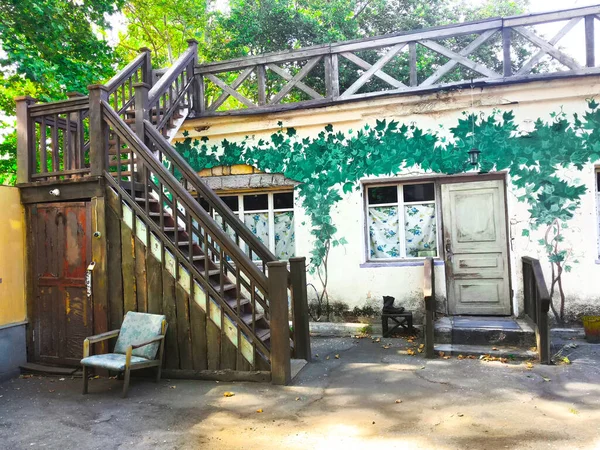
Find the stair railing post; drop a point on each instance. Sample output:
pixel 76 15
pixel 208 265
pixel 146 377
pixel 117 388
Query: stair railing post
pixel 98 130
pixel 147 66
pixel 281 372
pixel 197 96
pixel 141 108
pixel 300 308
pixel 26 151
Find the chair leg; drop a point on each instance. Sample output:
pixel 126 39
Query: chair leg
pixel 158 373
pixel 85 380
pixel 126 382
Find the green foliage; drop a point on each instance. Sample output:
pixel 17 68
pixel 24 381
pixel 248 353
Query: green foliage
pixel 335 160
pixel 50 47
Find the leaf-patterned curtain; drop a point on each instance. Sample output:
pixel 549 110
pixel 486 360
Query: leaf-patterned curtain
pixel 259 225
pixel 284 235
pixel 383 232
pixel 420 230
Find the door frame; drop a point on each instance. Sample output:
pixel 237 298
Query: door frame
pixel 468 178
pixel 31 278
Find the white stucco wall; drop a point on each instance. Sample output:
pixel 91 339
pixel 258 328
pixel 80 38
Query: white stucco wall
pixel 356 285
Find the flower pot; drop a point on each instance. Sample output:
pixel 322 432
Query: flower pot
pixel 591 326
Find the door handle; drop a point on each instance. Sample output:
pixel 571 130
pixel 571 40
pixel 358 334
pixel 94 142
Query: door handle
pixel 448 249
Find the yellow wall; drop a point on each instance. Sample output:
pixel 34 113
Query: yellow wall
pixel 12 257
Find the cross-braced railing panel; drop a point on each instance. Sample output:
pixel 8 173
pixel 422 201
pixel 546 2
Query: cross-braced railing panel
pixel 491 51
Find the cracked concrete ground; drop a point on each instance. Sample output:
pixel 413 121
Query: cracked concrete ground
pixel 349 403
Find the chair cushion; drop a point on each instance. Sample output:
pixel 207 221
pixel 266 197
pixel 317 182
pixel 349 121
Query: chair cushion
pixel 111 361
pixel 138 328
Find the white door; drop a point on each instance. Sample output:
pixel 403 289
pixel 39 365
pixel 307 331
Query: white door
pixel 474 222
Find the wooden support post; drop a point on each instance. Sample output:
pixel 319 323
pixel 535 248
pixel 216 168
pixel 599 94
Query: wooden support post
pixel 197 96
pixel 507 63
pixel 100 273
pixel 98 130
pixel 543 328
pixel 429 297
pixel 590 57
pixel 333 78
pixel 141 108
pixel 281 372
pixel 412 53
pixel 147 66
pixel 261 74
pixel 26 150
pixel 300 308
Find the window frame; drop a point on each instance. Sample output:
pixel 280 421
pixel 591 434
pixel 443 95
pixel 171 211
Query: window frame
pixel 366 185
pixel 270 209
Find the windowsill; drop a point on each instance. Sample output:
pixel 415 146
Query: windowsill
pixel 408 263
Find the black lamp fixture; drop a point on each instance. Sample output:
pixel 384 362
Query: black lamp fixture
pixel 474 156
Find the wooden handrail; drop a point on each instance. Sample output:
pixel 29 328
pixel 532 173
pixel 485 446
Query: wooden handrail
pixel 170 75
pixel 537 304
pixel 194 180
pixel 115 82
pixel 188 201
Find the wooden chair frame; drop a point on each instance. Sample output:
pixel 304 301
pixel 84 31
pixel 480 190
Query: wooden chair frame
pixel 157 362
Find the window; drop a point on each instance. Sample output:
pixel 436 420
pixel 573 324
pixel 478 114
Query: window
pixel 401 221
pixel 270 217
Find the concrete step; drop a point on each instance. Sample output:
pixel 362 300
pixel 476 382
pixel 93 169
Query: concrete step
pixel 484 331
pixel 508 352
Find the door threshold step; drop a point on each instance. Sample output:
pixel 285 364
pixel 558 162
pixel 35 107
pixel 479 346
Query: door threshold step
pixel 43 369
pixel 515 353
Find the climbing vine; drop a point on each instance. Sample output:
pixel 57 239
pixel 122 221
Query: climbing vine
pixel 333 162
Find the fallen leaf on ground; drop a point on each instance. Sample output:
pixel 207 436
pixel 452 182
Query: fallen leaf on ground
pixel 533 349
pixel 410 341
pixel 398 401
pixel 297 398
pixel 337 356
pixel 573 411
pixel 317 355
pixel 460 415
pixel 385 347
pixel 545 379
pixel 566 360
pixel 420 350
pixel 446 357
pixel 411 352
pixel 25 376
pixel 172 387
pixel 259 410
pixel 441 354
pixel 51 390
pixel 460 357
pixel 529 366
pixel 327 357
pixel 61 379
pixel 422 346
pixel 377 340
pixel 228 394
pixel 96 377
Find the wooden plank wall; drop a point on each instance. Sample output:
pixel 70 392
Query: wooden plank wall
pixel 138 281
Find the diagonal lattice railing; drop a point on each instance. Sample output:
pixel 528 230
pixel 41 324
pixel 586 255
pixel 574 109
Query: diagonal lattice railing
pixel 482 52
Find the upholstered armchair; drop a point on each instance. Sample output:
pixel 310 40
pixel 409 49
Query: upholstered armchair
pixel 140 344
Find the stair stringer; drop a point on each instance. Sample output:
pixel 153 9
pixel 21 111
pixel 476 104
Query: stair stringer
pixel 198 296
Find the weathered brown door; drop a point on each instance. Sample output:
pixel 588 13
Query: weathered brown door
pixel 62 311
pixel 474 217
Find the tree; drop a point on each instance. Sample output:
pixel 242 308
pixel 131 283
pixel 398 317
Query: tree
pixel 49 47
pixel 163 26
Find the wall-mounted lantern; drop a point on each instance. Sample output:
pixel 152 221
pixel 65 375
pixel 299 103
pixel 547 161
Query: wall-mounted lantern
pixel 474 156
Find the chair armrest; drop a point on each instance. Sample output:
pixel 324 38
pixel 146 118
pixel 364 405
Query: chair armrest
pixel 151 341
pixel 103 336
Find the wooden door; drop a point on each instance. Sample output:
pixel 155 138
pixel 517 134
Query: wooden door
pixel 62 315
pixel 474 222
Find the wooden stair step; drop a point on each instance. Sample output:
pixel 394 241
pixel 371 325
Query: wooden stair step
pixel 122 162
pixel 247 318
pixel 211 272
pixel 263 334
pixel 233 302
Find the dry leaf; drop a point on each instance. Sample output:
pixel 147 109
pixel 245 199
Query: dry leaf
pixel 51 390
pixel 297 398
pixel 420 350
pixel 545 379
pixel 172 387
pixel 410 341
pixel 259 410
pixel 460 357
pixel 327 357
pixel 411 352
pixel 385 347
pixel 529 366
pixel 25 376
pixel 317 355
pixel 441 354
pixel 422 346
pixel 495 348
pixel 446 357
pixel 337 356
pixel 228 394
pixel 398 401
